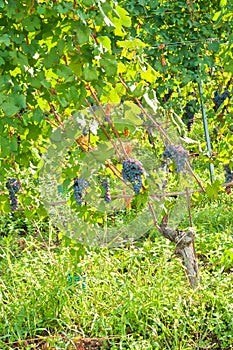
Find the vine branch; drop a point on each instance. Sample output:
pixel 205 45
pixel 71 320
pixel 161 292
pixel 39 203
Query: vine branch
pixel 110 122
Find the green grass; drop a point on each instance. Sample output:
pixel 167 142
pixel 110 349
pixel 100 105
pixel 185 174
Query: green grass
pixel 135 297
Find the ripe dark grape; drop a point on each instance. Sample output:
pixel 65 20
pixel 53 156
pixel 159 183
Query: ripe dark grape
pixel 13 186
pixel 190 110
pixel 132 171
pixel 178 155
pixel 106 186
pixel 228 177
pixel 168 95
pixel 219 99
pixel 85 131
pixel 79 185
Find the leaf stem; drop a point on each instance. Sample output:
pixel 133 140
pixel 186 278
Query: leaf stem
pixel 110 122
pixel 103 128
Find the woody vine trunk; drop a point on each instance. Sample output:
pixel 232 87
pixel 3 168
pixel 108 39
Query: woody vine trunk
pixel 185 249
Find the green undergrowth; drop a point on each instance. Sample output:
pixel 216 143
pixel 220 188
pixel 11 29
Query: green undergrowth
pixel 132 297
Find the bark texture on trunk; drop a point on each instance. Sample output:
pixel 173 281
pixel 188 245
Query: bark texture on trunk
pixel 185 249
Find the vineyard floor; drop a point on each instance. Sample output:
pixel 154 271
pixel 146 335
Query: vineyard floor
pixel 56 294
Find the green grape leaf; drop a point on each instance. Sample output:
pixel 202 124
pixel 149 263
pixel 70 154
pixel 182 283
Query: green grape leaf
pixel 37 115
pixel 76 66
pixel 212 190
pixel 13 143
pixel 90 73
pixel 110 65
pixel 5 39
pixel 82 32
pixel 31 23
pixel 9 108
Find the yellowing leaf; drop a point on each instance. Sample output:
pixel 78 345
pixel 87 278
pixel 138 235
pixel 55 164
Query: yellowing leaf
pixel 223 3
pixel 124 16
pixel 105 42
pixel 149 75
pixel 121 68
pixel 131 44
pixel 83 142
pixel 217 15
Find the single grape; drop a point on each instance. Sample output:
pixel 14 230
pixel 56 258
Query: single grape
pixel 168 95
pixel 85 131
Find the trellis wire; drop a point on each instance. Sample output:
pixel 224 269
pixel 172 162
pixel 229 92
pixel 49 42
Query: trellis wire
pixel 191 42
pixel 152 196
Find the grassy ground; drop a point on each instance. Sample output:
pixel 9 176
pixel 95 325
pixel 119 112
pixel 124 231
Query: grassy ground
pixel 55 294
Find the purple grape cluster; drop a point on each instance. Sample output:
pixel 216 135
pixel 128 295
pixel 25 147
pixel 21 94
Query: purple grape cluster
pixel 79 185
pixel 105 184
pixel 132 171
pixel 178 155
pixel 228 175
pixel 220 98
pixel 190 110
pixel 13 186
